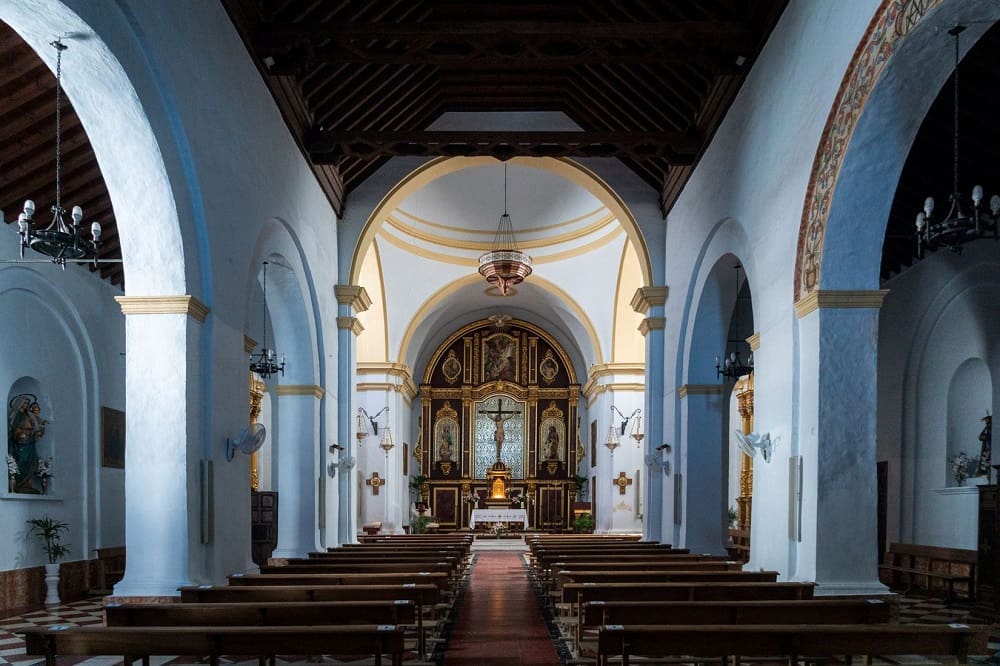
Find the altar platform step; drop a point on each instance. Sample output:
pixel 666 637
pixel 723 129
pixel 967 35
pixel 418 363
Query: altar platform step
pixel 484 543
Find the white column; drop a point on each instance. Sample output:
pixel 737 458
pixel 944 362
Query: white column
pixel 650 301
pixel 838 334
pixel 162 461
pixel 297 415
pixel 350 299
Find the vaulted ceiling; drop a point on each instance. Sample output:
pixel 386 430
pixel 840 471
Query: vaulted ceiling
pixel 361 81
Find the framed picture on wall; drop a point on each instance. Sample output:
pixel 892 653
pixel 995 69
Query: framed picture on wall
pixel 406 459
pixel 112 438
pixel 593 443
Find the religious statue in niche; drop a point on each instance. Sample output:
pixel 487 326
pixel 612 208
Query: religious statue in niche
pixel 986 448
pixel 25 427
pixel 552 438
pixel 500 358
pixel 451 368
pixel 446 434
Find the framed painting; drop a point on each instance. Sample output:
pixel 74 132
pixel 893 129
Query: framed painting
pixel 112 438
pixel 593 443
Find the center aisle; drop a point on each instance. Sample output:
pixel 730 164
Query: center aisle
pixel 499 622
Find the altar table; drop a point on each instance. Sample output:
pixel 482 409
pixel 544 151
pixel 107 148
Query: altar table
pixel 498 516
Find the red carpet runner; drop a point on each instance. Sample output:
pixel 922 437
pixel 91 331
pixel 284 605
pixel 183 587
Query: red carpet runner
pixel 499 622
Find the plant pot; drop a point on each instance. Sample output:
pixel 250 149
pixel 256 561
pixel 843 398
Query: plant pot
pixel 52 585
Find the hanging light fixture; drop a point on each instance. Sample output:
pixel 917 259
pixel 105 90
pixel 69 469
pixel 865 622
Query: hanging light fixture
pixel 734 367
pixel 264 363
pixel 612 442
pixel 60 241
pixel 362 431
pixel 505 266
pixel 956 228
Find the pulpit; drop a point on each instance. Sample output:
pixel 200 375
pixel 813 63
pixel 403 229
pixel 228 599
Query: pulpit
pixel 498 481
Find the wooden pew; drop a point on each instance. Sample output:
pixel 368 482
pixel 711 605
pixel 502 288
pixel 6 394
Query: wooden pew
pixel 930 568
pixel 425 596
pixel 595 614
pixel 789 641
pixel 699 562
pixel 577 594
pixel 663 576
pixel 213 642
pixel 302 613
pixel 441 579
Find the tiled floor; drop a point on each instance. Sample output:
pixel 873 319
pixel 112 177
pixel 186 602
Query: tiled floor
pixel 499 621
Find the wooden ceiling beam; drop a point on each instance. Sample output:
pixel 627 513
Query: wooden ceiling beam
pixel 331 146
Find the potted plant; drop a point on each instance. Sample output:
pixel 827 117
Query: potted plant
pixel 581 486
pixel 584 523
pixel 417 486
pixel 419 524
pixel 732 516
pixel 50 531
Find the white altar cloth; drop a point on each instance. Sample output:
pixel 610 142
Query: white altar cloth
pixel 498 516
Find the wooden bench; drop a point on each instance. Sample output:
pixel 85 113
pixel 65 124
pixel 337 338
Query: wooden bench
pixel 595 614
pixel 930 568
pixel 789 641
pixel 739 544
pixel 110 568
pixel 373 528
pixel 439 578
pixel 212 642
pixel 425 596
pixel 302 613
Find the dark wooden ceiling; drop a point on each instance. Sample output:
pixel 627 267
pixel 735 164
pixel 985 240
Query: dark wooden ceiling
pixel 28 148
pixel 648 81
pixel 929 164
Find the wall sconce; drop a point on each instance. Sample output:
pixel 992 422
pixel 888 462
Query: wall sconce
pixel 612 441
pixel 362 431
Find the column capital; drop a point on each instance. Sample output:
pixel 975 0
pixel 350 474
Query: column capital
pixel 353 295
pixel 827 298
pixel 351 324
pixel 700 389
pixel 300 389
pixel 652 324
pixel 185 304
pixel 754 341
pixel 648 297
pixel 249 344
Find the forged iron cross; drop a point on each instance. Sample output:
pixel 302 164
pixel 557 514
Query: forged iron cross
pixel 377 482
pixel 498 417
pixel 622 482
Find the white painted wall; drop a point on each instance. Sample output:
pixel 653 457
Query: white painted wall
pixel 79 368
pixel 938 362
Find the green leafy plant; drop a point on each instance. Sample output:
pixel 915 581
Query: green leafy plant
pixel 581 485
pixel 584 523
pixel 415 482
pixel 732 516
pixel 419 524
pixel 50 531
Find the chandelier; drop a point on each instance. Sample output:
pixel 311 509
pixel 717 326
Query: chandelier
pixel 505 266
pixel 60 241
pixel 264 362
pixel 386 443
pixel 734 366
pixel 956 227
pixel 636 419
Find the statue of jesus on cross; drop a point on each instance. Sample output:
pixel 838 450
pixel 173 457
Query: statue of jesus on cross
pixel 499 417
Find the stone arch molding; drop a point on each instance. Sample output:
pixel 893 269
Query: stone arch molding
pixel 567 169
pixel 893 21
pixel 112 113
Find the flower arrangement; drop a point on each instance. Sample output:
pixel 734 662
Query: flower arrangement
pixel 497 529
pixel 12 469
pixel 50 531
pixel 960 468
pixel 472 499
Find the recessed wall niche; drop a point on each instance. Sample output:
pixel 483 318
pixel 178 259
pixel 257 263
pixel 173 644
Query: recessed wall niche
pixel 30 445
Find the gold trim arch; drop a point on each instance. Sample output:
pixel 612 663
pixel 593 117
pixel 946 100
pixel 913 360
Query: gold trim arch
pixel 421 314
pixel 568 169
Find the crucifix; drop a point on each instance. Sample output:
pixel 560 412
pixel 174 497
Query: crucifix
pixel 499 417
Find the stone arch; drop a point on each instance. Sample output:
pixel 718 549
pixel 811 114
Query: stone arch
pixel 567 169
pixel 868 133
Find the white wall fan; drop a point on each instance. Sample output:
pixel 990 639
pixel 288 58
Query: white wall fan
pixel 249 440
pixel 753 441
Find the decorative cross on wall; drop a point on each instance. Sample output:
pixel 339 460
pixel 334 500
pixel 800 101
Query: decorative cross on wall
pixel 376 482
pixel 622 482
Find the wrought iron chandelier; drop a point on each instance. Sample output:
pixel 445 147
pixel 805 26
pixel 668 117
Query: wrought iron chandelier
pixel 636 418
pixel 60 241
pixel 386 442
pixel 734 366
pixel 265 362
pixel 956 228
pixel 505 266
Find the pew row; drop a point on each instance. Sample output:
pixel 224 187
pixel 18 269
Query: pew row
pixel 212 642
pixel 789 642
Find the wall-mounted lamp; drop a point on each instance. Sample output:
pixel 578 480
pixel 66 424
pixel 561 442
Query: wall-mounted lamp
pixel 363 431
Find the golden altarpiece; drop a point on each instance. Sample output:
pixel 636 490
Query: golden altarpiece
pixel 499 425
